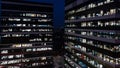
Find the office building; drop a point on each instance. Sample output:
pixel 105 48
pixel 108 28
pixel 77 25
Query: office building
pixel 92 34
pixel 26 34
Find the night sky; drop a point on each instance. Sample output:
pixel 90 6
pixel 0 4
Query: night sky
pixel 58 11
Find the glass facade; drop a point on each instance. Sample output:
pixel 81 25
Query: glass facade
pixel 92 38
pixel 26 34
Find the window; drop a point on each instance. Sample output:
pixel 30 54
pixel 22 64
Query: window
pixel 26 30
pixel 7 30
pixel 10 56
pixel 44 20
pixel 43 58
pixel 28 50
pixel 83 24
pixel 112 11
pixel 46 39
pixel 3 57
pixel 26 19
pixel 84 40
pixel 109 1
pixel 6 35
pixel 35 39
pixel 19 56
pixel 4 51
pixel 3 62
pixel 72 18
pixel 22 45
pixel 83 33
pixel 30 15
pixel 14 19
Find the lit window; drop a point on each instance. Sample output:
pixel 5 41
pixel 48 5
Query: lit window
pixel 10 56
pixel 73 17
pixel 45 39
pixel 35 39
pixel 26 19
pixel 28 50
pixel 44 20
pixel 26 30
pixel 43 58
pixel 3 62
pixel 4 51
pixel 14 19
pixel 84 40
pixel 3 57
pixel 83 33
pixel 7 35
pixel 30 14
pixel 83 24
pixel 22 45
pixel 112 11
